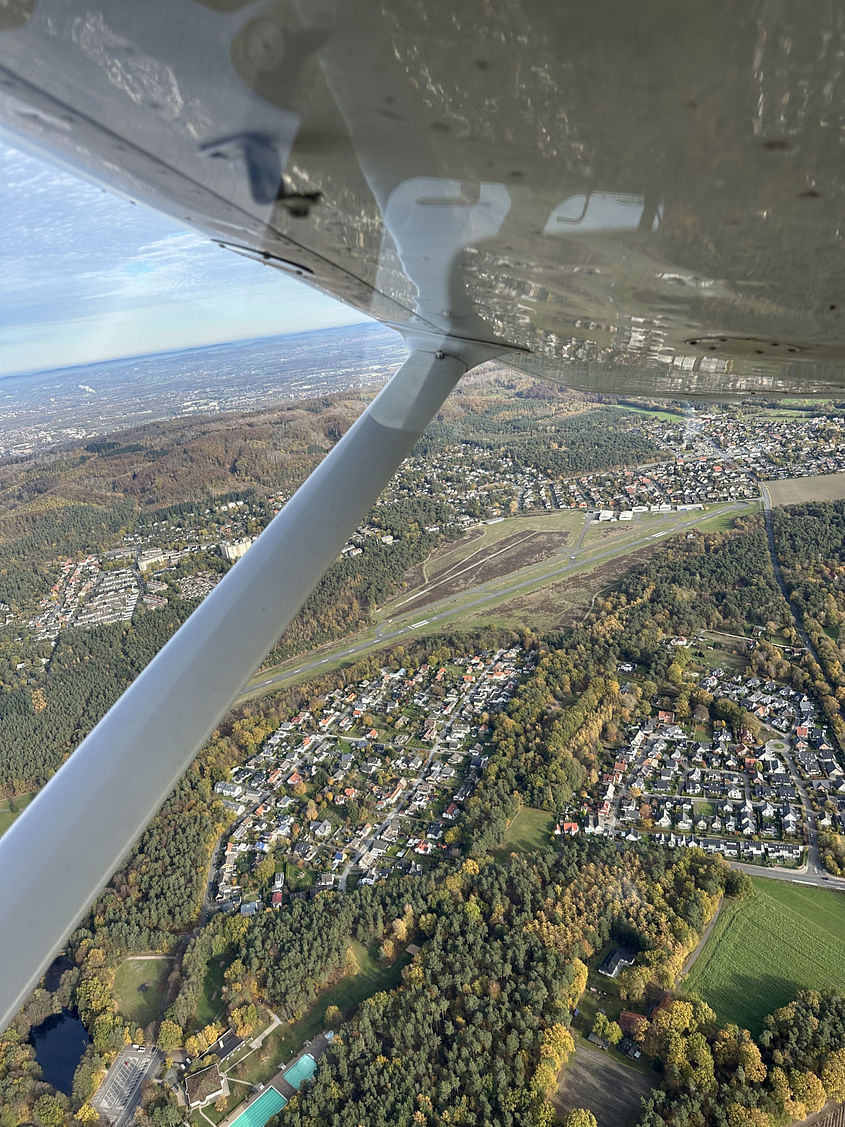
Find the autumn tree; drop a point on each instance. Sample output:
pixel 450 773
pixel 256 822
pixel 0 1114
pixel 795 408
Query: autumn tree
pixel 608 1030
pixel 580 1117
pixel 169 1036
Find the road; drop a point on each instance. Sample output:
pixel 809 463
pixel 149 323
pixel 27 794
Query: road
pixel 392 631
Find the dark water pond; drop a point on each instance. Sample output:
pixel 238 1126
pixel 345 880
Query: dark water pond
pixel 59 1043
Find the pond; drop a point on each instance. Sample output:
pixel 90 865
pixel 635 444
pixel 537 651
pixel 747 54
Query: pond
pixel 59 1043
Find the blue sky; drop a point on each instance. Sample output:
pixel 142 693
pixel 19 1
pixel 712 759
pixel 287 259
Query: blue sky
pixel 86 275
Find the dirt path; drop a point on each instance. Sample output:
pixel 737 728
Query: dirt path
pixel 147 958
pixel 687 967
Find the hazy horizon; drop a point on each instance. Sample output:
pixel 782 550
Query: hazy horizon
pixel 90 276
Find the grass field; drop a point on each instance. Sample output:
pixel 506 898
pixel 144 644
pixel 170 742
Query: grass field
pixel 764 949
pixel 666 416
pixel 142 1006
pixel 722 521
pixel 824 487
pixel 210 1004
pixel 530 829
pixel 8 816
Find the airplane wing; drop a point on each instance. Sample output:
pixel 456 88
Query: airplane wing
pixel 644 199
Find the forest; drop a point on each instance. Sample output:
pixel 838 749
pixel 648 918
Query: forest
pixel 724 1078
pixel 88 671
pixel 549 443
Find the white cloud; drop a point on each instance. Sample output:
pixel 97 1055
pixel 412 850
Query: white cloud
pixel 85 275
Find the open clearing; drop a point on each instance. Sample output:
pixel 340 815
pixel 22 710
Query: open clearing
pixel 529 830
pixel 8 816
pixel 497 551
pixel 140 988
pixel 764 949
pixel 597 1080
pixel 793 490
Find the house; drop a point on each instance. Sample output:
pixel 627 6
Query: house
pixel 616 960
pixel 205 1086
pixel 323 829
pixel 630 1022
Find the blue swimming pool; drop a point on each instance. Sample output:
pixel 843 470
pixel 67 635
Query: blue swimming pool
pixel 304 1069
pixel 257 1114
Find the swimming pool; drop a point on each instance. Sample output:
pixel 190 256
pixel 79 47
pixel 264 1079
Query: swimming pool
pixel 257 1114
pixel 304 1069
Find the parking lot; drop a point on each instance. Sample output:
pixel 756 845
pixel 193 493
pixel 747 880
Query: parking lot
pixel 120 1092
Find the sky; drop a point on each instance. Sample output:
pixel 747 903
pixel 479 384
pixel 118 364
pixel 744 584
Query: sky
pixel 86 275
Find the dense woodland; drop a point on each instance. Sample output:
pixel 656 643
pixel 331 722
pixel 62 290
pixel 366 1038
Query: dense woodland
pixel 723 1078
pixel 810 542
pixel 479 1028
pixel 553 444
pixel 88 670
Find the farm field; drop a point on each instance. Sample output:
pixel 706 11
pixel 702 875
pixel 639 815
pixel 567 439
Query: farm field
pixel 140 988
pixel 602 1083
pixel 823 487
pixel 763 950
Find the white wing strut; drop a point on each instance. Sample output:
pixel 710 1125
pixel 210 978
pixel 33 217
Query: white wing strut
pixel 65 846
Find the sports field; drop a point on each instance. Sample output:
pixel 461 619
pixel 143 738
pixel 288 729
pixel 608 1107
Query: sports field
pixel 764 949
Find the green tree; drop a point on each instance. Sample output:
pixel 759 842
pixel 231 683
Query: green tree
pixel 169 1036
pixel 580 1117
pixel 607 1030
pixel 50 1112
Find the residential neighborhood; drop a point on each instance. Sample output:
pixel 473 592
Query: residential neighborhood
pixel 748 799
pixel 369 784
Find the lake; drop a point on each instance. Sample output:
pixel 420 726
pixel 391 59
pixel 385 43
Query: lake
pixel 59 1043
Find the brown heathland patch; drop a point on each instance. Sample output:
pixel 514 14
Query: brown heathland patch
pixel 522 549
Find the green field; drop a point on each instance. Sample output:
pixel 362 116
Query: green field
pixel 141 1006
pixel 654 413
pixel 764 949
pixel 210 1003
pixel 8 816
pixel 530 830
